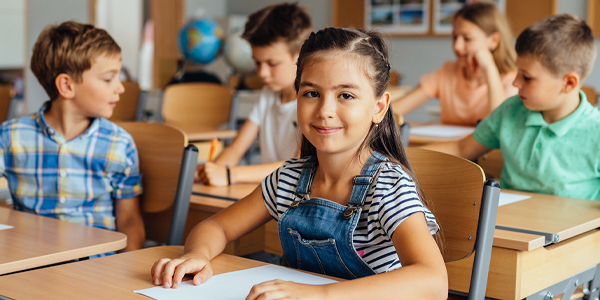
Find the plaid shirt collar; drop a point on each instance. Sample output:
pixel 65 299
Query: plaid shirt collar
pixel 50 132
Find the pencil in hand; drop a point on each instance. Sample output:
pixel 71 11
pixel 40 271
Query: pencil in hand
pixel 213 148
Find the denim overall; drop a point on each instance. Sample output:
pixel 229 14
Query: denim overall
pixel 316 234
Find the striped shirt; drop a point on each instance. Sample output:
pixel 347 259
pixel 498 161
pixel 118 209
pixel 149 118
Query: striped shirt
pixel 391 198
pixel 76 180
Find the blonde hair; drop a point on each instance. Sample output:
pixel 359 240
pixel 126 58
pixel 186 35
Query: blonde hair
pixel 489 19
pixel 68 48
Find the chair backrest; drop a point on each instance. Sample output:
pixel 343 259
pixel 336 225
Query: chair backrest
pixel 395 78
pixel 195 107
pixel 492 163
pixel 127 107
pixel 464 207
pixel 4 102
pixel 167 165
pixel 591 94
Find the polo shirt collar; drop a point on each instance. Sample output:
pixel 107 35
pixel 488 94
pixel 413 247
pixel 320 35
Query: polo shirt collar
pixel 49 131
pixel 561 127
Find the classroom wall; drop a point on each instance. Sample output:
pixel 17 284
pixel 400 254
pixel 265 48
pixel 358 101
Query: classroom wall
pixel 41 13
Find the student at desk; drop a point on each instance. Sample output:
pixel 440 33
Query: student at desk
pixel 480 79
pixel 275 34
pixel 374 228
pixel 548 134
pixel 67 161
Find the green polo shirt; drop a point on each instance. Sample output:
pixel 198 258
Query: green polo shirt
pixel 562 158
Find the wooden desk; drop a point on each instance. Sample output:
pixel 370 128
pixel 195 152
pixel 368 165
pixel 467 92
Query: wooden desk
pixel 112 277
pixel 517 272
pixel 232 193
pixel 419 140
pixel 208 200
pixel 36 241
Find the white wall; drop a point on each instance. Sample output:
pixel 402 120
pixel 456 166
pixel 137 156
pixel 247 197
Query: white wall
pixel 123 21
pixel 41 13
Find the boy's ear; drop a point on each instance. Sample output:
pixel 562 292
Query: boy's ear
pixel 571 80
pixel 65 86
pixel 381 107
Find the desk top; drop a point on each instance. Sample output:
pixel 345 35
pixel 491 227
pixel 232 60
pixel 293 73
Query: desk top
pixel 559 218
pixel 232 193
pixel 112 277
pixel 36 241
pixel 418 140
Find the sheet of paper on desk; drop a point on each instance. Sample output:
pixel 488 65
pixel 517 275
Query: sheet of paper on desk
pixel 507 198
pixel 2 226
pixel 441 131
pixel 232 285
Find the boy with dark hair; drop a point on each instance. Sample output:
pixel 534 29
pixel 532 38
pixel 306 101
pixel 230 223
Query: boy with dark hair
pixel 275 34
pixel 67 161
pixel 548 134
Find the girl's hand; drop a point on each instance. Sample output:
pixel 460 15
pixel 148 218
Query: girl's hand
pixel 279 289
pixel 169 272
pixel 482 60
pixel 211 174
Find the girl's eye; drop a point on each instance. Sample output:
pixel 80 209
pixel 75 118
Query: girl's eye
pixel 346 96
pixel 311 94
pixel 526 78
pixel 272 65
pixel 107 80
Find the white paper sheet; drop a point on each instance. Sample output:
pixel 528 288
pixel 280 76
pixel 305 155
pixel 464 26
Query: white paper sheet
pixel 507 198
pixel 233 285
pixel 445 131
pixel 2 226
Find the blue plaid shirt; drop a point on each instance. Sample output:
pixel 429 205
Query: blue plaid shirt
pixel 74 180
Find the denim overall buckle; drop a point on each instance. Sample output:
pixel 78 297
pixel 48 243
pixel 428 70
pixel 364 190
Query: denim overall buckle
pixel 349 212
pixel 296 201
pixel 362 180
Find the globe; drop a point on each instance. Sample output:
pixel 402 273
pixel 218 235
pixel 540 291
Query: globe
pixel 200 40
pixel 238 52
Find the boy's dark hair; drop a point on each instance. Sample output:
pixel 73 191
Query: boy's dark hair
pixel 562 43
pixel 68 48
pixel 285 22
pixel 369 46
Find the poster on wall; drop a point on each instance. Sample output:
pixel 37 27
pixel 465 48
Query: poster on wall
pixel 443 10
pixel 398 16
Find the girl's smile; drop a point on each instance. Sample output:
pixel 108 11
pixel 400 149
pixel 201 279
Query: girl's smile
pixel 326 130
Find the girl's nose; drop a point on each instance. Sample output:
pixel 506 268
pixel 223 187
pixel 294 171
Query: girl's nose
pixel 457 44
pixel 121 88
pixel 326 108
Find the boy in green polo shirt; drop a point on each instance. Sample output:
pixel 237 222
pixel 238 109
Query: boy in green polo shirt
pixel 549 134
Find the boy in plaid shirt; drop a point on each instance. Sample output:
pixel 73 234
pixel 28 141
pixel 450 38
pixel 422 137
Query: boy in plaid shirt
pixel 68 161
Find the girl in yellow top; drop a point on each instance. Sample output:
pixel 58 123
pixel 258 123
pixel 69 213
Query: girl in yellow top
pixel 480 79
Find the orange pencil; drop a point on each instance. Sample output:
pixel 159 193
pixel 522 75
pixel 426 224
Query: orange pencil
pixel 213 149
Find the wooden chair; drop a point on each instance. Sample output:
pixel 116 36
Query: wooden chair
pixel 128 107
pixel 492 164
pixel 591 94
pixel 198 109
pixel 404 129
pixel 465 206
pixel 395 78
pixel 167 165
pixel 4 102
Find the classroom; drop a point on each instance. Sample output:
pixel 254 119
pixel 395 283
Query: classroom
pixel 151 145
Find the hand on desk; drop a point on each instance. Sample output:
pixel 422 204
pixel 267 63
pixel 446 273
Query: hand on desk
pixel 279 289
pixel 169 272
pixel 211 174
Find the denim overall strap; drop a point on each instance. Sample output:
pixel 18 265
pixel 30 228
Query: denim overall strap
pixel 315 236
pixel 305 180
pixel 362 182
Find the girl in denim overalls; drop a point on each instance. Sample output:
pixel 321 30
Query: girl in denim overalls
pixel 350 207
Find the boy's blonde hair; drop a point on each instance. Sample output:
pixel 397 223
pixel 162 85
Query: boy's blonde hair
pixel 286 22
pixel 68 48
pixel 488 18
pixel 562 43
